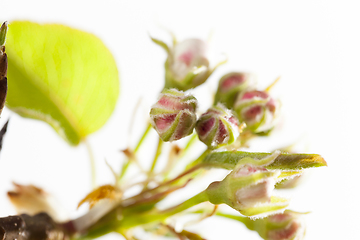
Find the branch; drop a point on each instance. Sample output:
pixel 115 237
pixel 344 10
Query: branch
pixel 37 227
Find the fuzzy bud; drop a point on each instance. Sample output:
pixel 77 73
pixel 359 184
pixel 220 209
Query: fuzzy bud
pixel 187 65
pixel 231 85
pixel 288 225
pixel 217 127
pixel 256 193
pixel 173 116
pixel 257 109
pixel 248 188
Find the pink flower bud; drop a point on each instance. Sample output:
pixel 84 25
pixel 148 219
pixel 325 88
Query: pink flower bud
pixel 217 126
pixel 257 193
pixel 288 225
pixel 285 226
pixel 257 109
pixel 231 85
pixel 173 116
pixel 186 55
pixel 248 188
pixel 187 65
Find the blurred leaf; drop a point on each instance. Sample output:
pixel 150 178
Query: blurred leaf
pixel 285 161
pixel 63 76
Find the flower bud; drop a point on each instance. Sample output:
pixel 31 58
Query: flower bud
pixel 187 64
pixel 231 85
pixel 283 226
pixel 173 116
pixel 217 127
pixel 257 109
pixel 288 225
pixel 248 188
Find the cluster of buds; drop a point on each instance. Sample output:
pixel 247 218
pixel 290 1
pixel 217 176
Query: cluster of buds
pixel 217 127
pixel 187 65
pixel 248 188
pixel 257 109
pixel 174 115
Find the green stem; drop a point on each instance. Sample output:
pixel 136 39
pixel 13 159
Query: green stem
pixel 191 142
pixel 173 165
pixel 156 157
pixel 92 163
pixel 167 183
pixel 198 160
pixel 245 220
pixel 156 215
pixel 129 161
pixel 127 215
pixel 147 130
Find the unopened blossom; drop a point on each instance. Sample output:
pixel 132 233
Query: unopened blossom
pixel 187 65
pixel 249 187
pixel 260 192
pixel 231 85
pixel 257 109
pixel 217 126
pixel 288 225
pixel 173 116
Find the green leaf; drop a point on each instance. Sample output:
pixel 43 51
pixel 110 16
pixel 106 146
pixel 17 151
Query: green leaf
pixel 285 161
pixel 63 76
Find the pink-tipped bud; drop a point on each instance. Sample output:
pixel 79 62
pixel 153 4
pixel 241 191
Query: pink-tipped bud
pixel 248 188
pixel 173 116
pixel 187 65
pixel 256 193
pixel 288 225
pixel 284 226
pixel 231 85
pixel 257 109
pixel 217 127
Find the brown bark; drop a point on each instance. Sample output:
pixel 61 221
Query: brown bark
pixel 37 227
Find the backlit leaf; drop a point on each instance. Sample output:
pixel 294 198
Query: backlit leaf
pixel 63 76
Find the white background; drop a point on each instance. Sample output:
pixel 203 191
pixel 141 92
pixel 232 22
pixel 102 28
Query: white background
pixel 313 45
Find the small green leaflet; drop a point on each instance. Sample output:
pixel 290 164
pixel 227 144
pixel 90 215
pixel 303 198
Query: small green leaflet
pixel 285 161
pixel 63 76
